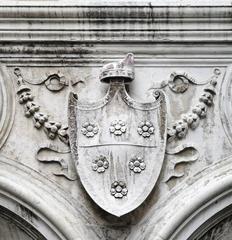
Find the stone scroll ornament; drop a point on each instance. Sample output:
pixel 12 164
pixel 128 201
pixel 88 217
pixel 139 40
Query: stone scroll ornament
pixel 188 122
pixel 117 143
pixel 53 130
pixel 55 81
pixel 41 120
pixel 192 119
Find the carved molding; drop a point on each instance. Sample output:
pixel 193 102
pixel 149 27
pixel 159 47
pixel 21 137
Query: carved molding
pixel 220 231
pixel 88 21
pixel 187 207
pixel 7 105
pixel 24 22
pixel 57 213
pixel 18 225
pixel 226 103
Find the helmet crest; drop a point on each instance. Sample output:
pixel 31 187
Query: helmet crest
pixel 122 70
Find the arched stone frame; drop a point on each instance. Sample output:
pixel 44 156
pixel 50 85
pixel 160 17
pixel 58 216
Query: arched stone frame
pixel 55 218
pixel 216 227
pixel 9 219
pixel 207 195
pixel 7 110
pixel 207 216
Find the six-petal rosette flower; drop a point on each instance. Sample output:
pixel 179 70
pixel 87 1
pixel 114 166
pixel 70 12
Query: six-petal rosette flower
pixel 100 164
pixel 89 129
pixel 118 189
pixel 145 129
pixel 118 127
pixel 137 164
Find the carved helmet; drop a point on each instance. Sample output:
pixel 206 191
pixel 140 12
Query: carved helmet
pixel 122 70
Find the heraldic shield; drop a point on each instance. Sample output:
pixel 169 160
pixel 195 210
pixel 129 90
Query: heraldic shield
pixel 118 144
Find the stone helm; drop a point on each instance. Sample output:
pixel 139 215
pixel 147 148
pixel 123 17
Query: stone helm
pixel 122 70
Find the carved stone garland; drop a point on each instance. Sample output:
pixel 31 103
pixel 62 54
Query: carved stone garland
pixel 52 129
pixel 191 120
pixel 177 131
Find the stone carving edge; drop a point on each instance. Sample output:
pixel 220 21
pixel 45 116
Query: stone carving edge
pixel 215 187
pixel 77 17
pixel 44 198
pixel 9 103
pixel 225 103
pixel 41 120
pixel 191 120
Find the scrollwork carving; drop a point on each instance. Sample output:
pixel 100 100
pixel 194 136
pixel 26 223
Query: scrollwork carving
pixel 41 120
pixel 184 154
pixel 191 120
pixel 55 81
pixel 178 82
pixel 49 153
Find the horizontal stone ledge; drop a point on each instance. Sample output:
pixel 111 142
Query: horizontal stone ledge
pixel 188 22
pixel 111 12
pixel 117 36
pixel 97 51
pixel 116 3
pixel 114 25
pixel 124 21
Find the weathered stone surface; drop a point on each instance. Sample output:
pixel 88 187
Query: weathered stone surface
pixel 49 49
pixel 115 135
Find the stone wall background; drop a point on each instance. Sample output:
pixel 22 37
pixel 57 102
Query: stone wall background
pixel 73 41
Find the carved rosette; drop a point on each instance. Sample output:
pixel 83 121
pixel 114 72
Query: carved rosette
pixel 145 129
pixel 118 189
pixel 118 186
pixel 118 127
pixel 100 164
pixel 137 164
pixel 89 129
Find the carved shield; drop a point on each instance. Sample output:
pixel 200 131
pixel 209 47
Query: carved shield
pixel 118 145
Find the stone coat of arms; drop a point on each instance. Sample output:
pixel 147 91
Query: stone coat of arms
pixel 118 144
